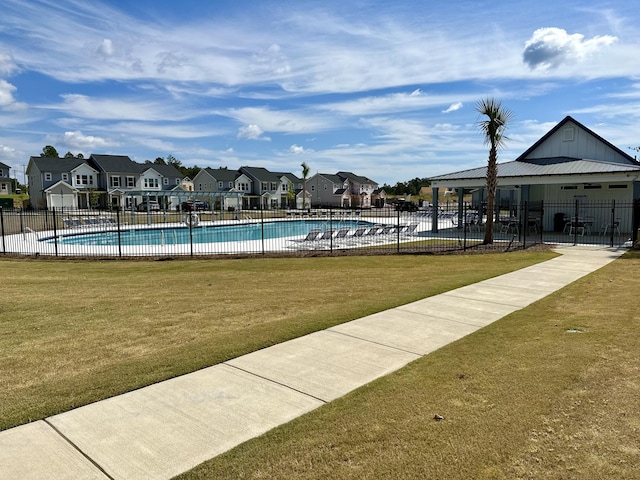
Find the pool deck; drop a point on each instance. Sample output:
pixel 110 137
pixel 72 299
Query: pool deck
pixel 167 428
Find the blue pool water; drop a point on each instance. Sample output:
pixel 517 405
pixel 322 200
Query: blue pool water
pixel 205 234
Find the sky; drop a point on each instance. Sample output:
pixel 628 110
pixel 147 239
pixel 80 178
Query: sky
pixel 384 89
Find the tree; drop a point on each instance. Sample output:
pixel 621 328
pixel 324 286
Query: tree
pixel 49 152
pixel 69 155
pixel 493 130
pixel 305 175
pixel 159 161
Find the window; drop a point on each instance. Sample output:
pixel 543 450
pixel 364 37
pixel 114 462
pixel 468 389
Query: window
pixel 84 180
pixel 165 181
pixel 264 186
pixel 151 183
pixel 131 182
pixel 65 177
pixel 274 186
pixel 114 181
pixel 617 186
pixel 230 184
pixel 177 181
pixel 47 177
pixel 220 185
pixel 313 188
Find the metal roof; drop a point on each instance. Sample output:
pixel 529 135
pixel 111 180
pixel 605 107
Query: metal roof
pixel 542 167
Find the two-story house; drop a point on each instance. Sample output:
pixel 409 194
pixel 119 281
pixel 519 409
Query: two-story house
pixel 5 180
pixel 68 182
pixel 329 190
pixel 99 181
pixel 266 188
pixel 361 189
pixel 222 181
pixel 292 191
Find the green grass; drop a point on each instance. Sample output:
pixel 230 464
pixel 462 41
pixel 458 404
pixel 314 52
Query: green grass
pixel 521 398
pixel 73 332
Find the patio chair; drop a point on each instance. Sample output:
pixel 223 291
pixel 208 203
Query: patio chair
pixel 612 227
pixel 75 221
pixel 68 223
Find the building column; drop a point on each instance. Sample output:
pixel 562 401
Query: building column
pixel 434 210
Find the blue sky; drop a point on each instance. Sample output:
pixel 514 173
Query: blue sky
pixel 382 89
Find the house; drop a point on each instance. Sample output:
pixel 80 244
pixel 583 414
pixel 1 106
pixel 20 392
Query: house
pixel 569 164
pixel 266 192
pixel 292 193
pixel 68 182
pixel 222 181
pixel 5 180
pixel 100 181
pixel 344 189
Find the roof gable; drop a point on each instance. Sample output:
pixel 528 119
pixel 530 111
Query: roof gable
pixel 570 138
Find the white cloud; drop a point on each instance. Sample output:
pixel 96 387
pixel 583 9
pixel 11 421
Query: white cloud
pixel 6 93
pixel 7 63
pixel 282 121
pixel 84 142
pixel 553 47
pixel 252 132
pixel 118 109
pixel 298 150
pixel 106 48
pixel 453 107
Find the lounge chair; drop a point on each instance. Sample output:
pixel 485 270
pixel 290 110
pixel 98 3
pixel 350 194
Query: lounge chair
pixel 327 234
pixel 410 230
pixel 311 236
pixel 76 222
pixel 68 223
pixel 342 233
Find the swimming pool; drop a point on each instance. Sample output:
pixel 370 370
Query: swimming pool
pixel 213 233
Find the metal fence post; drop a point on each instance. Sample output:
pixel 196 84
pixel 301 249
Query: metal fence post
pixel 4 247
pixel 574 223
pixel 262 226
pixel 119 236
pixel 524 221
pixel 613 219
pixel 398 230
pixel 463 222
pixel 55 230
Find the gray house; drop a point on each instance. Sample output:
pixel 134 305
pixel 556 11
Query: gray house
pixel 5 180
pixel 99 181
pixel 68 182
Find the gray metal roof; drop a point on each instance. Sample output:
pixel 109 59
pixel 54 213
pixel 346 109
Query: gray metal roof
pixel 542 167
pixel 223 174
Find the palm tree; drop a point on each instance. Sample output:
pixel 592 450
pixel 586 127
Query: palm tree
pixel 305 175
pixel 493 129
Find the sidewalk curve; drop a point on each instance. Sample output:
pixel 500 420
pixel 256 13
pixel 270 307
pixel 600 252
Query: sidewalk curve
pixel 165 429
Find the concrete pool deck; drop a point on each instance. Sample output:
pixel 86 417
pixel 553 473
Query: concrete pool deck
pixel 162 430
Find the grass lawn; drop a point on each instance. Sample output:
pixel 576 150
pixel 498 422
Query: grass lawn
pixel 73 332
pixel 550 391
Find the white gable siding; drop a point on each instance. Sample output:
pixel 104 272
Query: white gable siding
pixel 573 141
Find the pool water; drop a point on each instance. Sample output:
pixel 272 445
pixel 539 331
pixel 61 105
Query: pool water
pixel 205 234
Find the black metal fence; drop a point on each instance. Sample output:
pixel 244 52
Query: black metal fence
pixel 84 233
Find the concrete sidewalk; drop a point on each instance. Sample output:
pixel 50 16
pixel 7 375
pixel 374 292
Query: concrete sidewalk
pixel 165 429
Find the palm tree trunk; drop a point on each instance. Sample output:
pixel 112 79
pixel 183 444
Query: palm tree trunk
pixel 492 185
